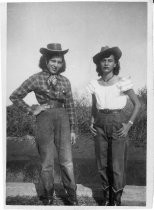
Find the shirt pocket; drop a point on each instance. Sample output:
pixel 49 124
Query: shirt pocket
pixel 43 90
pixel 61 93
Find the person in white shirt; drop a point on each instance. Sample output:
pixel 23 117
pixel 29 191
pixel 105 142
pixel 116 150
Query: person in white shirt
pixel 109 124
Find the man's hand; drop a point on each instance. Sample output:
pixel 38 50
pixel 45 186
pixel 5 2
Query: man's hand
pixel 40 108
pixel 93 130
pixel 73 138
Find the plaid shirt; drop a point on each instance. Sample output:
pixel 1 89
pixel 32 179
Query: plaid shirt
pixel 44 93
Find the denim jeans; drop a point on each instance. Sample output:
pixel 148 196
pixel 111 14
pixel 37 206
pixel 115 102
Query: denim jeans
pixel 110 150
pixel 53 128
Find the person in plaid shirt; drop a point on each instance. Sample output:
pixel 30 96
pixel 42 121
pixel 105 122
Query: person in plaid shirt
pixel 55 120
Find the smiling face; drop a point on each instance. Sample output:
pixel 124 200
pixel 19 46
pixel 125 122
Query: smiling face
pixel 107 64
pixel 55 64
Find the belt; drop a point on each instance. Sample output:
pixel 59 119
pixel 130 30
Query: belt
pixel 55 104
pixel 109 111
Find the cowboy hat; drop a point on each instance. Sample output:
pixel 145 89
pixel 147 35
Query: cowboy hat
pixel 53 48
pixel 106 51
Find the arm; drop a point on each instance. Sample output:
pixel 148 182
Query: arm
pixel 93 114
pixel 69 105
pixel 93 109
pixel 133 97
pixel 17 96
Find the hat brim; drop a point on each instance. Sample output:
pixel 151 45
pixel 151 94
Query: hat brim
pixel 114 50
pixel 45 51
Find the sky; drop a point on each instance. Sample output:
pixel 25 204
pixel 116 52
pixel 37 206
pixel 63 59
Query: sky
pixel 81 27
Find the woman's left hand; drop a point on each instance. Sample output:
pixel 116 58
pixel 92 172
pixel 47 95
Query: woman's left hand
pixel 73 138
pixel 122 132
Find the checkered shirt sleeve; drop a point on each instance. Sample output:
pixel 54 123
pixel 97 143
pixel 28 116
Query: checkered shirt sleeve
pixel 69 105
pixel 17 96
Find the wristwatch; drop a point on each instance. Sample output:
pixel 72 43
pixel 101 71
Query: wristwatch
pixel 130 122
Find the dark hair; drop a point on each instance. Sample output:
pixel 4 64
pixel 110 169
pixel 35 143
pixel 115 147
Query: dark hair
pixel 115 70
pixel 44 59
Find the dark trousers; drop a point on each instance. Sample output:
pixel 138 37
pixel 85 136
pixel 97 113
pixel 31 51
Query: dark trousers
pixel 53 128
pixel 111 151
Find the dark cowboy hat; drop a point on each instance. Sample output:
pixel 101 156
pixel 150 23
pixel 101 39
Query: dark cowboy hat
pixel 106 51
pixel 53 48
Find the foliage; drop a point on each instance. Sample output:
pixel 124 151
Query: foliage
pixel 18 123
pixel 142 94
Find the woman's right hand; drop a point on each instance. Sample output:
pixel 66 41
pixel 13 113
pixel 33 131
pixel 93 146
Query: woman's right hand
pixel 93 130
pixel 40 108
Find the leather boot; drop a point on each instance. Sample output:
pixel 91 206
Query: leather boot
pixel 105 196
pixel 117 198
pixel 72 197
pixel 48 199
pixel 112 197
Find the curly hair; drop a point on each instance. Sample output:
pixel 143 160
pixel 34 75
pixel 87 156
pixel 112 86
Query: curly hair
pixel 115 70
pixel 44 59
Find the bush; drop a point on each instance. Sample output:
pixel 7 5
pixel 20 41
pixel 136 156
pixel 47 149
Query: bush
pixel 83 114
pixel 19 124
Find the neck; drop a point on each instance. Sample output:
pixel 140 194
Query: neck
pixel 107 77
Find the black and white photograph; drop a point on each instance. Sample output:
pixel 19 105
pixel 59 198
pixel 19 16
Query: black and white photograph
pixel 78 125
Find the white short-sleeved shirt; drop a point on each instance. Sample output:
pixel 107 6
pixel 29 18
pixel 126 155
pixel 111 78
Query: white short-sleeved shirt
pixel 110 97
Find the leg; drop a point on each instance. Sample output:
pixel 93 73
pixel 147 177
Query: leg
pixel 118 163
pixel 64 149
pixel 119 148
pixel 101 152
pixel 45 146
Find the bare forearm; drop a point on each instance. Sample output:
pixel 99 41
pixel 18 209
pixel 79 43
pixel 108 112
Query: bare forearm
pixel 136 104
pixel 93 109
pixel 93 114
pixel 135 112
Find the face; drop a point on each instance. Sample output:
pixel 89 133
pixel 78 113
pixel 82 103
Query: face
pixel 107 64
pixel 55 64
